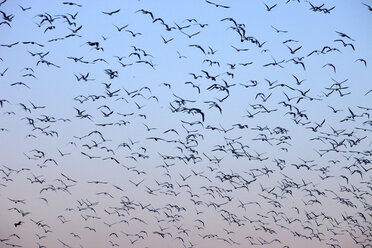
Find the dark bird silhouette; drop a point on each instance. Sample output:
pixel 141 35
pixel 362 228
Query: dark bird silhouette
pixel 343 35
pixel 368 6
pixel 121 28
pixel 166 41
pixel 240 49
pixel 363 61
pixel 111 13
pixel 295 50
pixel 270 8
pixel 331 65
pixel 197 46
pixel 3 73
pixel 24 9
pixel 217 5
pixel 278 30
pixel 17 224
pixel 191 35
pixel 133 33
pixel 145 12
pixel 72 4
pixel 345 44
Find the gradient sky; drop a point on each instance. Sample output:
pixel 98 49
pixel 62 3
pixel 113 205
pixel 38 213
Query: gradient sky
pixel 296 174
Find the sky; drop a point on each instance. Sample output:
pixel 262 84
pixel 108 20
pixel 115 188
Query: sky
pixel 188 124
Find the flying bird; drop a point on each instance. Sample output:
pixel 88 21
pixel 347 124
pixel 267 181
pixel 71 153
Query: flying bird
pixel 112 12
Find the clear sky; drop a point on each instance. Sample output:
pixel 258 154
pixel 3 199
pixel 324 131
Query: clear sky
pixel 185 123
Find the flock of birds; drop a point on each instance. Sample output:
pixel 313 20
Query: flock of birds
pixel 175 139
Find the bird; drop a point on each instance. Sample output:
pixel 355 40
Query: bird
pixel 193 85
pixel 72 4
pixel 121 28
pixel 217 5
pixel 368 6
pixel 17 224
pixel 298 82
pixel 111 13
pixel 191 35
pixel 270 8
pixel 133 33
pixel 345 44
pixel 331 65
pixel 279 31
pixel 145 12
pixel 197 46
pixel 334 110
pixel 343 35
pixel 10 45
pixel 240 49
pixel 3 73
pixel 24 9
pixel 295 50
pixel 363 61
pixel 136 184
